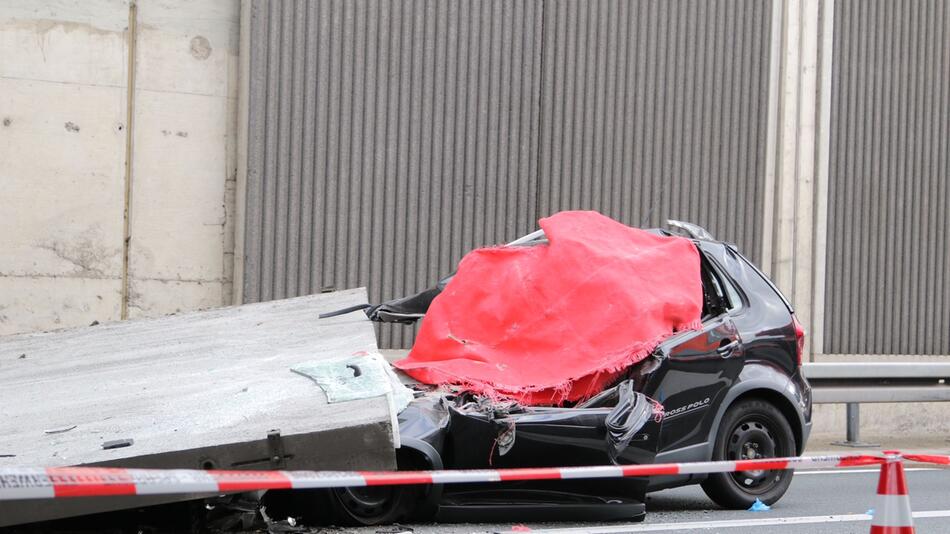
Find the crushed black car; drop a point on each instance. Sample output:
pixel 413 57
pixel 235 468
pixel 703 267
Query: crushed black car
pixel 732 389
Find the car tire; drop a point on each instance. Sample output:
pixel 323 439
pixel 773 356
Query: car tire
pixel 750 429
pixel 377 505
pixel 380 505
pixel 356 507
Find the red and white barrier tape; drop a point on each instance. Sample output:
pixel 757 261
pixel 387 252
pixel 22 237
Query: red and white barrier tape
pixel 59 482
pixel 925 458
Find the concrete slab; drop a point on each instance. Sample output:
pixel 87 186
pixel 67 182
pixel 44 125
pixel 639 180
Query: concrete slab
pixel 210 383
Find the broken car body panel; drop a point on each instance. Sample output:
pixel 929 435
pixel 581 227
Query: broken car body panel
pixel 471 432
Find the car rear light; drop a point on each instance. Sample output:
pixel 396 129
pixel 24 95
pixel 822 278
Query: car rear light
pixel 800 339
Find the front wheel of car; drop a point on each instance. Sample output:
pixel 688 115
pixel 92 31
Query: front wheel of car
pixel 380 505
pixel 377 505
pixel 751 429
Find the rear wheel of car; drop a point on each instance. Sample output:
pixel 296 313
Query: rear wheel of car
pixel 751 429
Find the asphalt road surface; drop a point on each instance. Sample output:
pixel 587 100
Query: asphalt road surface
pixel 817 502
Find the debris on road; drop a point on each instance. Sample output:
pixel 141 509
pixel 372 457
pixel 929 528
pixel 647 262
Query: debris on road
pixel 59 430
pixel 281 526
pixel 118 443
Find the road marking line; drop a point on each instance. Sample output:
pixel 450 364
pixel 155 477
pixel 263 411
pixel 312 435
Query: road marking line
pixel 729 523
pixel 839 471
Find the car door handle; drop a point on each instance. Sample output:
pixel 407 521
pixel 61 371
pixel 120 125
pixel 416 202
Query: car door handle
pixel 727 349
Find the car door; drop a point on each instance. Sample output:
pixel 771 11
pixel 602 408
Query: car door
pixel 695 370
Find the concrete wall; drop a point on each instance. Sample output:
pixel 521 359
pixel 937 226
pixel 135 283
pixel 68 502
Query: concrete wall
pixel 65 140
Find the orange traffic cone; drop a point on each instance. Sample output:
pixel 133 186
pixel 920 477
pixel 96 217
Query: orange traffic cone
pixel 892 514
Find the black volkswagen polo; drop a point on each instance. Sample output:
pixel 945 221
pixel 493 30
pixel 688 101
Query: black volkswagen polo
pixel 731 390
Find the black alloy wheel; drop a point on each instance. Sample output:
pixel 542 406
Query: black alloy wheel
pixel 751 429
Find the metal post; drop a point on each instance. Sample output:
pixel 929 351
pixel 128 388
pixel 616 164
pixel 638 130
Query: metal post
pixel 853 432
pixel 853 422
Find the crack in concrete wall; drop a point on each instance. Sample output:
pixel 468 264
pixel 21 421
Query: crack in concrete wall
pixel 85 252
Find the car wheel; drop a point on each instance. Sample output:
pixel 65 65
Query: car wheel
pixel 375 505
pixel 751 429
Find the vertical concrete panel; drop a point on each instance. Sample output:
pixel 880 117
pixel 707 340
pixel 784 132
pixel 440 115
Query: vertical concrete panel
pixel 62 138
pixel 654 110
pixel 886 286
pixel 385 139
pixel 184 101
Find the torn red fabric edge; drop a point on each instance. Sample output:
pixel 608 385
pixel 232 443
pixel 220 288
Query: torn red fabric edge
pixel 559 322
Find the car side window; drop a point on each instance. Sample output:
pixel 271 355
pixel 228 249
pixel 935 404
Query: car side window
pixel 732 295
pixel 732 298
pixel 714 299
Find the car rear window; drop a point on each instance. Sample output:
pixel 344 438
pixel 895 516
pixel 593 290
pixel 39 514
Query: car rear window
pixel 763 277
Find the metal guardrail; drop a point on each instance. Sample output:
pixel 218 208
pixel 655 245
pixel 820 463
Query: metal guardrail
pixel 853 383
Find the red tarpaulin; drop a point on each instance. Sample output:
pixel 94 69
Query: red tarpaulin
pixel 558 322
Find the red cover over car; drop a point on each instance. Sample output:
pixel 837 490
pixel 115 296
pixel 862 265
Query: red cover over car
pixel 559 321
